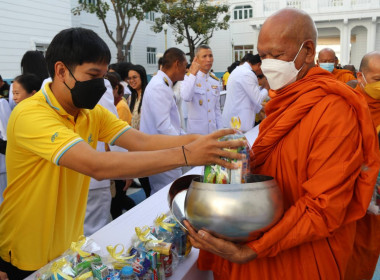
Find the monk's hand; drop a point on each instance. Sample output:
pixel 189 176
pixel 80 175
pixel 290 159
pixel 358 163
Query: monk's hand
pixel 194 67
pixel 236 253
pixel 206 150
pixel 3 276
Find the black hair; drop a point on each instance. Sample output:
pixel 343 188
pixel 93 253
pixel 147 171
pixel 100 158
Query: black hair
pixel 75 46
pixel 114 67
pixel 171 56
pixel 252 59
pixel 144 82
pixel 123 69
pixel 233 66
pixel 115 79
pixel 34 62
pixel 29 82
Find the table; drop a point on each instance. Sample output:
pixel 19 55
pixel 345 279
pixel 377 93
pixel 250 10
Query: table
pixel 122 229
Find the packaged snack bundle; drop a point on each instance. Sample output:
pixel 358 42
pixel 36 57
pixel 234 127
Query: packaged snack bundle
pixel 217 174
pixel 170 231
pixel 79 262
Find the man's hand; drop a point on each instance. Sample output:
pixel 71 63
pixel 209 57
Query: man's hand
pixel 128 183
pixel 263 82
pixel 208 150
pixel 195 66
pixel 230 251
pixel 3 276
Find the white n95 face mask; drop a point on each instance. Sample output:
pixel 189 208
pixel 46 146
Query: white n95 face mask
pixel 280 73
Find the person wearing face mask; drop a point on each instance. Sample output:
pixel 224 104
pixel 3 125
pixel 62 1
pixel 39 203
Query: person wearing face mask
pixel 327 60
pixel 201 92
pixel 319 143
pixel 51 154
pixel 367 242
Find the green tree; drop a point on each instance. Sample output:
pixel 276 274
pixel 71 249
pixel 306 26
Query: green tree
pixel 125 11
pixel 193 20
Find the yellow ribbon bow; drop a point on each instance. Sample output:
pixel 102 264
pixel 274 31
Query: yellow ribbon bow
pixel 159 221
pixel 56 268
pixel 85 276
pixel 77 247
pixel 235 122
pixel 117 255
pixel 141 234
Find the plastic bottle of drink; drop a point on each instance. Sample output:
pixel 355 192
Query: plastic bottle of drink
pixel 126 273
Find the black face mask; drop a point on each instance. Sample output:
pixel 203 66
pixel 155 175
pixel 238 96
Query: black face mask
pixel 88 93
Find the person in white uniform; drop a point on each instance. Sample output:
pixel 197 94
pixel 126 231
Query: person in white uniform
pixel 159 112
pixel 244 94
pixel 201 91
pixel 99 194
pixel 5 111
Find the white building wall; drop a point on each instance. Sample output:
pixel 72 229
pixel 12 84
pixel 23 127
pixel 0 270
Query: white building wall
pixel 23 23
pixel 377 37
pixel 359 47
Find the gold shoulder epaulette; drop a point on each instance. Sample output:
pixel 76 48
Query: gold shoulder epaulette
pixel 188 74
pixel 214 77
pixel 166 81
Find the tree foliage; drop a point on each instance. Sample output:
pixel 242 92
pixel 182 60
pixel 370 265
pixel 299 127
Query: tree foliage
pixel 125 11
pixel 193 20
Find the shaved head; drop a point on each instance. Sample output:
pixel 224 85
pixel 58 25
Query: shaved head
pixel 327 55
pixel 291 24
pixel 327 52
pixel 369 60
pixel 369 71
pixel 286 33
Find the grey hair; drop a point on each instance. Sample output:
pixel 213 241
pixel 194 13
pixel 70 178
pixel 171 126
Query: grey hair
pixel 200 47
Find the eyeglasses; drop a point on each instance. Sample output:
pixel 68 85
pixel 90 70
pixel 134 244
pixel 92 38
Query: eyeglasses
pixel 133 78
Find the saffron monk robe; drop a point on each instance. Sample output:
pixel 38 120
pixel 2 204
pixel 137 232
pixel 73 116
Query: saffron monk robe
pixel 362 265
pixel 319 143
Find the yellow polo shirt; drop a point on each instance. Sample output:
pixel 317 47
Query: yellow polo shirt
pixel 45 204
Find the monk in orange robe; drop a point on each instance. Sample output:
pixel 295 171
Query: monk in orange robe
pixel 362 265
pixel 327 61
pixel 319 143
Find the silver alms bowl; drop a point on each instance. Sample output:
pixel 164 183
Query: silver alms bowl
pixel 235 212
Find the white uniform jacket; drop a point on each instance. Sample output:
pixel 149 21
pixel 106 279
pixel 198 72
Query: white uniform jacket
pixel 244 97
pixel 202 95
pixel 159 115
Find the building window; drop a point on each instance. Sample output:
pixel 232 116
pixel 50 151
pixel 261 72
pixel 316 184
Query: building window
pixel 151 55
pixel 127 56
pixel 42 48
pixel 335 3
pixel 87 1
pixel 240 51
pixel 294 4
pixel 149 16
pixel 243 12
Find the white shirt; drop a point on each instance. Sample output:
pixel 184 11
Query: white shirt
pixel 180 104
pixel 5 111
pixel 244 97
pixel 202 95
pixel 159 115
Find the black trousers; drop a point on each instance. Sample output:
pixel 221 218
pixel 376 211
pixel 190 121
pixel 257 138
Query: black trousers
pixel 13 272
pixel 121 201
pixel 145 185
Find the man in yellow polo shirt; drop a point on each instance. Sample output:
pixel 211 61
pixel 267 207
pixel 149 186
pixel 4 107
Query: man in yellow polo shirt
pixel 51 148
